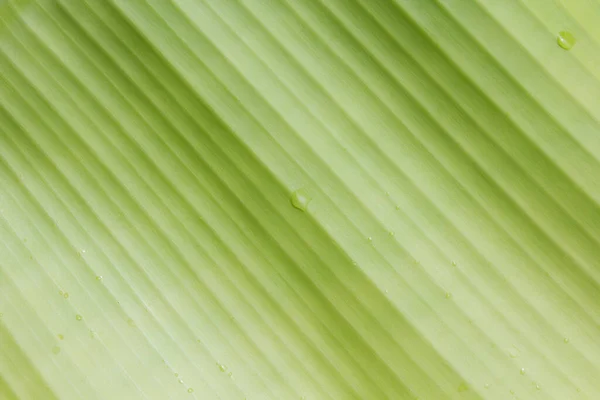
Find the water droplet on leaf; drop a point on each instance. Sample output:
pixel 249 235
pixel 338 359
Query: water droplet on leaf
pixel 522 371
pixel 300 199
pixel 78 317
pixel 566 40
pixel 190 390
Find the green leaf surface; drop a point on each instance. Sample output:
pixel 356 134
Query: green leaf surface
pixel 299 199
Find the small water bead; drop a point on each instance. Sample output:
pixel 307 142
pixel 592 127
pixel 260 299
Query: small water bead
pixel 180 381
pixel 78 317
pixel 99 278
pixel 513 353
pixel 487 386
pixel 60 292
pixel 56 350
pixel 522 371
pixel 454 263
pixel 176 374
pixel 463 387
pixel 566 340
pixel 222 367
pixel 566 40
pixel 300 199
pixel 60 336
pixel 230 374
pixel 370 239
pixel 397 207
pixel 391 233
pixel 512 391
pixel 448 295
pixel 190 390
pixel 66 295
pixel 537 387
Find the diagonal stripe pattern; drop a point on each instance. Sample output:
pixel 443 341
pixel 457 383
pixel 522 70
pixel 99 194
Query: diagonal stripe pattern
pixel 289 199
